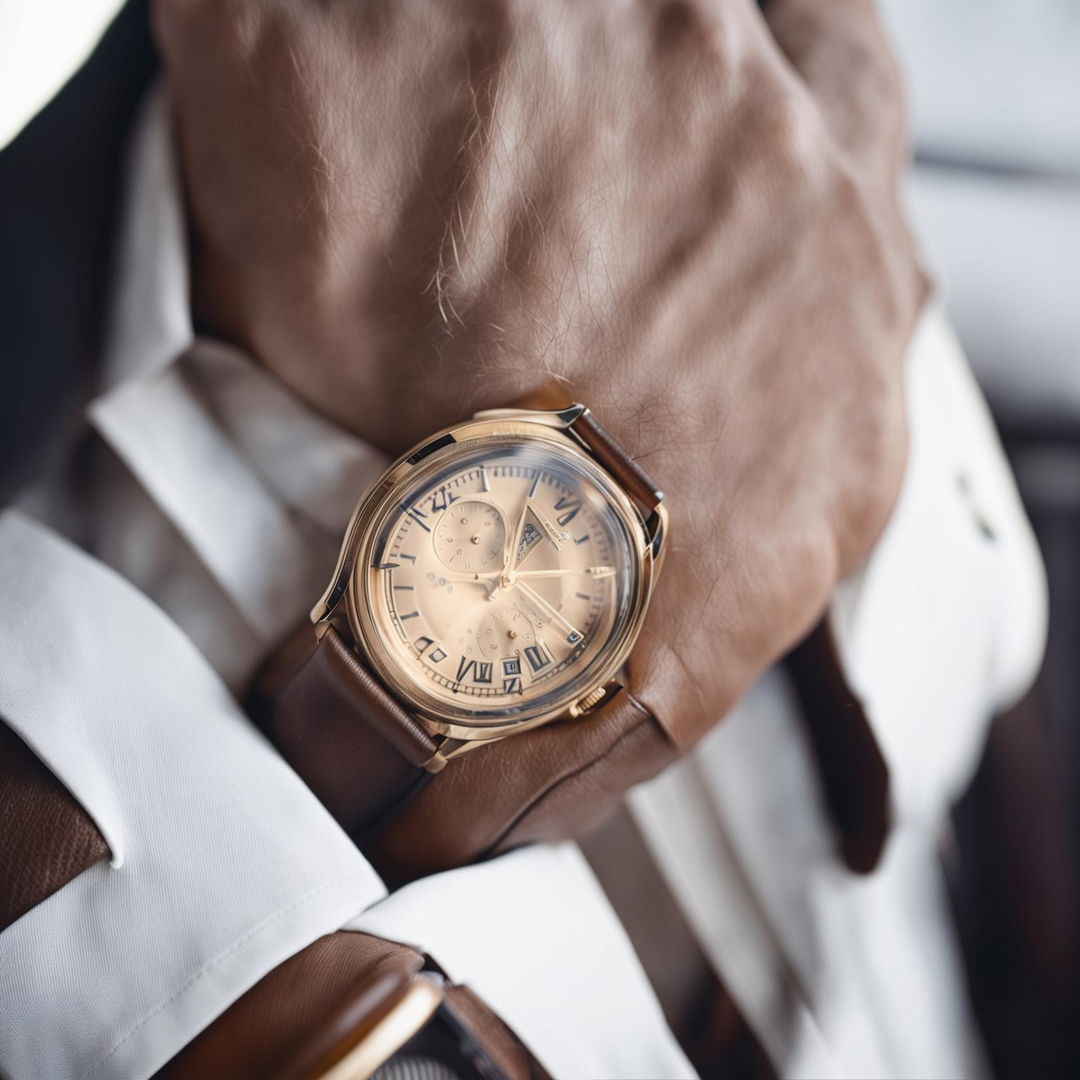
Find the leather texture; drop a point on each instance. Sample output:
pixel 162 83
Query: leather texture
pixel 630 475
pixel 550 783
pixel 553 782
pixel 347 738
pixel 46 837
pixel 306 1014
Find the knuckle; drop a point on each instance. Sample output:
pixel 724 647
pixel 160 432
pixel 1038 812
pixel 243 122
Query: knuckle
pixel 786 128
pixel 694 30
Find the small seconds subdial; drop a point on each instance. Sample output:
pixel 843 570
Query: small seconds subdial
pixel 507 631
pixel 471 536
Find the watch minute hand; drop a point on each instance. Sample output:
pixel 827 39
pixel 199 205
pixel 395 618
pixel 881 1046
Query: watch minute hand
pixel 574 635
pixel 592 571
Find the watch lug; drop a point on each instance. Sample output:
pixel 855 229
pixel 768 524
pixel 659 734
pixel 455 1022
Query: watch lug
pixel 450 748
pixel 339 620
pixel 556 418
pixel 436 763
pixel 656 528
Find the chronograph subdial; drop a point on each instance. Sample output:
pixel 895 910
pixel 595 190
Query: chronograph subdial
pixel 506 631
pixel 510 628
pixel 471 536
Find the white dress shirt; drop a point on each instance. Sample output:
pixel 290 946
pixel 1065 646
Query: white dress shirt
pixel 208 522
pixel 205 521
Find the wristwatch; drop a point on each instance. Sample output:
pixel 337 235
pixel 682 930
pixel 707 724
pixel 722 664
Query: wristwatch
pixel 494 579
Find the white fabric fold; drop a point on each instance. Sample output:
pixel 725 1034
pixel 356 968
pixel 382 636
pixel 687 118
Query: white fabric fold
pixel 149 322
pixel 224 863
pixel 945 624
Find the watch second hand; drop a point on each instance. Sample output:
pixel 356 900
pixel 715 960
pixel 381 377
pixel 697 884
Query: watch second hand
pixel 575 634
pixel 511 552
pixel 516 575
pixel 592 571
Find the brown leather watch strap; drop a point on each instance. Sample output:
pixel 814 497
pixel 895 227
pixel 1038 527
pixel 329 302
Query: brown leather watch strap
pixel 349 740
pixel 639 486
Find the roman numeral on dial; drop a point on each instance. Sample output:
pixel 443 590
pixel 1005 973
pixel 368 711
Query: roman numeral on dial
pixel 538 657
pixel 478 671
pixel 417 515
pixel 422 644
pixel 569 508
pixel 441 500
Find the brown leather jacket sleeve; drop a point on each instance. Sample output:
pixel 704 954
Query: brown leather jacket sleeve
pixel 46 837
pixel 554 782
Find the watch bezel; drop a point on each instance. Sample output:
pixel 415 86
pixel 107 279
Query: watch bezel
pixel 355 567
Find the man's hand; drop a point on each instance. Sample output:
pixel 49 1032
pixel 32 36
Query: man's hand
pixel 672 211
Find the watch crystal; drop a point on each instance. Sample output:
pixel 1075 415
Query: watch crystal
pixel 501 579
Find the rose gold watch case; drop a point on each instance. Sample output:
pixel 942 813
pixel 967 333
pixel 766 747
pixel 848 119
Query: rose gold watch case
pixel 354 570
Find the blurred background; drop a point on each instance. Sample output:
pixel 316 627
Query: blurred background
pixel 995 196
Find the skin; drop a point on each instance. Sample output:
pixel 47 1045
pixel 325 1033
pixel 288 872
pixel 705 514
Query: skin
pixel 682 213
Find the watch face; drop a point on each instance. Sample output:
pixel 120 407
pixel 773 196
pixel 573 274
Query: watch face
pixel 502 581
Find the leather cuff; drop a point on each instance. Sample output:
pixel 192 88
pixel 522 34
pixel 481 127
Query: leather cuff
pixel 336 998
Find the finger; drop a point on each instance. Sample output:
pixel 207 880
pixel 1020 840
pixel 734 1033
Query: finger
pixel 838 48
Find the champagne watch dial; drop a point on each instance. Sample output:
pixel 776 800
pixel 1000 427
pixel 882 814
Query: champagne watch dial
pixel 501 581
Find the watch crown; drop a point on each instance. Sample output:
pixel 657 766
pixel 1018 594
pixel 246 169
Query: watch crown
pixel 583 705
